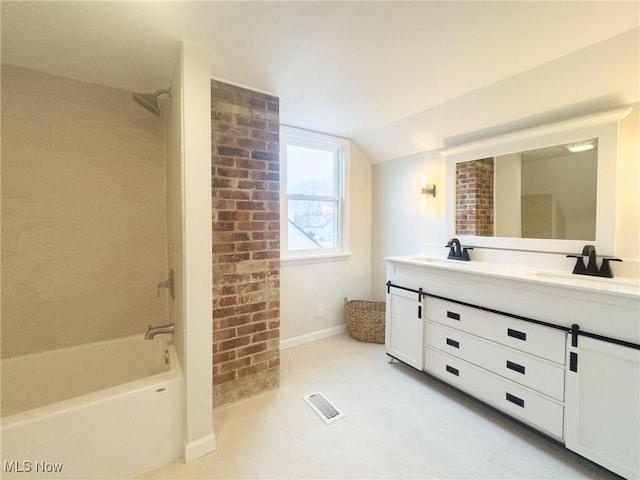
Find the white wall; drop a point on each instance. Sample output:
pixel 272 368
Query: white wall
pixel 175 205
pixel 627 191
pixel 198 277
pixel 401 225
pixel 303 287
pixel 507 195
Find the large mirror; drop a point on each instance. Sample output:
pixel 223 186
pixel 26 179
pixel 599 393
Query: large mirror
pixel 545 193
pixel 536 195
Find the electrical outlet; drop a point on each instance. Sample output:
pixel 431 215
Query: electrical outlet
pixel 319 310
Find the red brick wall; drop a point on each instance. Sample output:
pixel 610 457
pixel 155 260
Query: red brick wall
pixel 246 242
pixel 474 197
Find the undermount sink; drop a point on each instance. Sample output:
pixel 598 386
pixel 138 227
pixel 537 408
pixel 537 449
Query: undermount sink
pixel 442 261
pixel 588 278
pixel 621 284
pixel 624 286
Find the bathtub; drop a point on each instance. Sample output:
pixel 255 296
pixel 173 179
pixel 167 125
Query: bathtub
pixel 110 410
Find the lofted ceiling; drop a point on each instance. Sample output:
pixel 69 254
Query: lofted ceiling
pixel 397 77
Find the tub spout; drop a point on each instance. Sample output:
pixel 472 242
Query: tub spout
pixel 153 331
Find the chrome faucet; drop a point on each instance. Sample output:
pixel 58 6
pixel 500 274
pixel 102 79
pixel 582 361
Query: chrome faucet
pixel 457 252
pixel 153 331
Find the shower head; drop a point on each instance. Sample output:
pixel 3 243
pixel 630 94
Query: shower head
pixel 150 100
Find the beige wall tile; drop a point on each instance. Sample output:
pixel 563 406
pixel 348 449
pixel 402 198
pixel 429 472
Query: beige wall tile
pixel 143 178
pixel 22 80
pixel 28 173
pixel 26 121
pixel 98 97
pixel 88 272
pixel 86 226
pixel 78 128
pixel 145 225
pixel 88 176
pixel 26 223
pixel 28 327
pixel 84 223
pixel 88 318
pixel 144 268
pixel 141 310
pixel 28 275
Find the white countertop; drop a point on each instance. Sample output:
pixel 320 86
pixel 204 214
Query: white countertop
pixel 621 286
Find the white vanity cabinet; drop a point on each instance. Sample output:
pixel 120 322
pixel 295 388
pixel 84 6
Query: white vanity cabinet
pixel 507 336
pixel 602 419
pixel 404 327
pixel 513 365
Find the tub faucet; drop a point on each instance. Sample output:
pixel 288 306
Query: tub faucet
pixel 153 331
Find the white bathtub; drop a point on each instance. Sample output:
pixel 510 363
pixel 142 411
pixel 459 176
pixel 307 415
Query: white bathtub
pixel 110 410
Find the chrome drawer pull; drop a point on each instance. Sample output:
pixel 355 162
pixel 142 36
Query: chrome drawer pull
pixel 515 367
pixel 453 343
pixel 517 334
pixel 455 371
pixel 454 315
pixel 516 400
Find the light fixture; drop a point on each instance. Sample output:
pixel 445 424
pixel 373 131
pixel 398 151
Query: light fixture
pixel 426 189
pixel 580 147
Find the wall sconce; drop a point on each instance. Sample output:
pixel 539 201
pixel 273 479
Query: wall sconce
pixel 426 189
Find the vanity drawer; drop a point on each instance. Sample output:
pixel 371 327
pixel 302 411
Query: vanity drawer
pixel 505 395
pixel 530 371
pixel 528 337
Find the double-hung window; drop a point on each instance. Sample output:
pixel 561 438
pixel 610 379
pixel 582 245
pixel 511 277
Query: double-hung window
pixel 313 184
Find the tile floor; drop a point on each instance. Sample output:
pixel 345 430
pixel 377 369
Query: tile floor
pixel 398 424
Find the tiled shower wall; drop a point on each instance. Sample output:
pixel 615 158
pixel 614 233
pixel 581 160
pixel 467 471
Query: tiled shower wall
pixel 84 235
pixel 246 242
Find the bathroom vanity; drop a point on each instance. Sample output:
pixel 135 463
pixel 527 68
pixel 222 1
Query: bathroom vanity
pixel 558 352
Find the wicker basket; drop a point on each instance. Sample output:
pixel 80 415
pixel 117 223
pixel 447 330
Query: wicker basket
pixel 365 320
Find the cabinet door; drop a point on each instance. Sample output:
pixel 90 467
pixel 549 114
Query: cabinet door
pixel 404 327
pixel 602 409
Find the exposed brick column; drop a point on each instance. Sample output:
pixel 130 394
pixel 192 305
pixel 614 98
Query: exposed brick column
pixel 246 242
pixel 474 197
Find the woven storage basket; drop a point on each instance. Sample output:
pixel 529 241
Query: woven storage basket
pixel 365 320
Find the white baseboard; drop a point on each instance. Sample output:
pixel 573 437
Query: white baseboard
pixel 200 447
pixel 312 337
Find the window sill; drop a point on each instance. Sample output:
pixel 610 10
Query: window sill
pixel 310 259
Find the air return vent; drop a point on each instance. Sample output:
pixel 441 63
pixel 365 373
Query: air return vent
pixel 323 407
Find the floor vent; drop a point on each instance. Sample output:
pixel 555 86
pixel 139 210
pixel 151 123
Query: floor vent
pixel 323 407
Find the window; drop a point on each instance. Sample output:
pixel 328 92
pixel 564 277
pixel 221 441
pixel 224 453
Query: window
pixel 313 183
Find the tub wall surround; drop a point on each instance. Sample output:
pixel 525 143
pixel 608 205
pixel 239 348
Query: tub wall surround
pixel 246 242
pixel 83 174
pixel 84 234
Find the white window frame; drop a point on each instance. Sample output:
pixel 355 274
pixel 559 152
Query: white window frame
pixel 341 148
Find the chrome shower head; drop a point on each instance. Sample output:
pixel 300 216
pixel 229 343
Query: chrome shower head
pixel 150 100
